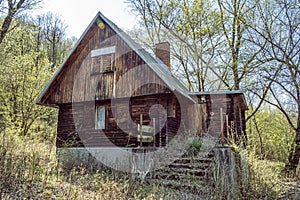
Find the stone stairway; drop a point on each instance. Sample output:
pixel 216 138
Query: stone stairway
pixel 188 173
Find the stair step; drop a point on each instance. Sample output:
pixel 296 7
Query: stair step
pixel 183 172
pixel 196 166
pixel 177 176
pixel 205 154
pixel 192 187
pixel 186 173
pixel 193 160
pixel 181 165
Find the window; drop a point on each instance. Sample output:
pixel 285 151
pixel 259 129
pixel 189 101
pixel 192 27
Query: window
pixel 100 117
pixel 103 63
pixel 103 60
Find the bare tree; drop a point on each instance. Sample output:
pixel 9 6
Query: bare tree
pixel 53 33
pixel 239 54
pixel 193 27
pixel 281 30
pixel 10 8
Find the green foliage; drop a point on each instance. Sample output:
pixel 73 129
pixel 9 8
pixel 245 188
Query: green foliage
pixel 194 147
pixel 270 136
pixel 264 179
pixel 24 73
pixel 26 166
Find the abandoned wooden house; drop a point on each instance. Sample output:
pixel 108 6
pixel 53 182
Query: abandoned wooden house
pixel 111 92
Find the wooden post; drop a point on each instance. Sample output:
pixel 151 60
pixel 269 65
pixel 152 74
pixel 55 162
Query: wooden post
pixel 141 130
pixel 115 82
pixel 222 121
pixel 167 133
pixel 241 121
pixel 227 128
pixel 160 102
pixel 154 132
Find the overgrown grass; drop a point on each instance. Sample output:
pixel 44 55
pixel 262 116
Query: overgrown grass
pixel 266 180
pixel 29 170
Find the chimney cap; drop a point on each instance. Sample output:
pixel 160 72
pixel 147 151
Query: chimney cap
pixel 163 45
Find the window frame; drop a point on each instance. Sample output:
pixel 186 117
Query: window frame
pixel 100 120
pixel 103 60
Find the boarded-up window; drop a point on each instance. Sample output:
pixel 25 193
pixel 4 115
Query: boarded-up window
pixel 102 64
pixel 103 60
pixel 100 117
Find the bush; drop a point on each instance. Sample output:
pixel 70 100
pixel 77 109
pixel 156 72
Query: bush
pixel 194 147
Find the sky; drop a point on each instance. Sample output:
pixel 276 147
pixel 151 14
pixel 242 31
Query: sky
pixel 78 14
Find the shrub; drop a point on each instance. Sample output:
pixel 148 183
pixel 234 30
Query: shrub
pixel 194 147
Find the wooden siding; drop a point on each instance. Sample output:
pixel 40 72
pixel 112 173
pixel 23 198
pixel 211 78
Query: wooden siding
pixel 67 136
pixel 76 123
pixel 233 115
pixel 207 119
pixel 78 81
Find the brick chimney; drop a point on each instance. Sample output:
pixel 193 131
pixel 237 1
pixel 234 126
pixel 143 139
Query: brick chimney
pixel 162 51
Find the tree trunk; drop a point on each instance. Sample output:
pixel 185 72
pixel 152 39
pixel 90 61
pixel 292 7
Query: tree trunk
pixel 291 167
pixel 13 8
pixel 6 25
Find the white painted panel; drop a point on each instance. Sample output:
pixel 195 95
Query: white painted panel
pixel 117 158
pixel 103 51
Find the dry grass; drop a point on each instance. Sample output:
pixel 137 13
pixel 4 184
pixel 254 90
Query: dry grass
pixel 29 170
pixel 267 180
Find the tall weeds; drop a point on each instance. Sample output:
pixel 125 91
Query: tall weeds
pixel 29 170
pixel 25 165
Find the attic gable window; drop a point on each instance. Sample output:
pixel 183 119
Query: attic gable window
pixel 103 60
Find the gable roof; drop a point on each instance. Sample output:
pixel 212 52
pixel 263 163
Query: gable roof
pixel 159 68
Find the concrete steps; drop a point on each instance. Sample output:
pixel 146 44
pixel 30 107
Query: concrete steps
pixel 186 173
pixel 192 187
